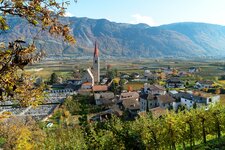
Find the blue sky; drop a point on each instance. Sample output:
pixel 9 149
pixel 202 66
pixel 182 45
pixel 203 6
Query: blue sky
pixel 152 12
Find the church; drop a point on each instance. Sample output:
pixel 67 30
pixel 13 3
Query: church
pixel 92 75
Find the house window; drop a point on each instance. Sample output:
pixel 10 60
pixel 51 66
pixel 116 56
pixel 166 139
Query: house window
pixel 210 100
pixel 185 100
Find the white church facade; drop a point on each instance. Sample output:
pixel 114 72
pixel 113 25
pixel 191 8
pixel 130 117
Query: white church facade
pixel 93 74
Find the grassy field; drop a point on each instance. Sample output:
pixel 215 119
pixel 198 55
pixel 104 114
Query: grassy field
pixel 209 69
pixel 134 85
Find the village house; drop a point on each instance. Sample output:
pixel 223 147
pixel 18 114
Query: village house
pixel 153 77
pixel 182 73
pixel 131 105
pixel 173 93
pixel 106 98
pixel 74 82
pixel 154 89
pixel 165 101
pixel 100 88
pixel 201 99
pixel 124 76
pixel 88 77
pixel 204 84
pixel 174 82
pixel 105 115
pixel 147 74
pixel 168 70
pixel 135 75
pixel 193 69
pixel 157 112
pixel 148 101
pixel 86 85
pixel 129 101
pixel 129 95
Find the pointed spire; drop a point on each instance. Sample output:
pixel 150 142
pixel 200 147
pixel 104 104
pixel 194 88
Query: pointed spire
pixel 96 50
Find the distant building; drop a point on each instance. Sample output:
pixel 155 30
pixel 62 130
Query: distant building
pixel 147 73
pixel 100 88
pixel 74 82
pixel 129 101
pixel 148 101
pixel 165 101
pixel 132 105
pixel 202 99
pixel 193 69
pixel 106 98
pixel 204 84
pixel 174 83
pixel 154 89
pixel 88 77
pixel 135 75
pixel 87 85
pixel 129 95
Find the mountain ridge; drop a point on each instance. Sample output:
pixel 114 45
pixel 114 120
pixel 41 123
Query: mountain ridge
pixel 185 39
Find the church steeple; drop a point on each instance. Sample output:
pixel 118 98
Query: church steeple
pixel 96 50
pixel 96 64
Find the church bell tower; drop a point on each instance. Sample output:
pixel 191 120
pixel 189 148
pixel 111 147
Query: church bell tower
pixel 96 64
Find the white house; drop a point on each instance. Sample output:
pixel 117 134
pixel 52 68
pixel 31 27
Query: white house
pixel 193 69
pixel 147 73
pixel 189 100
pixel 204 84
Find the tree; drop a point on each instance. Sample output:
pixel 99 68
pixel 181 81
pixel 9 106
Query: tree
pixel 21 134
pixel 217 119
pixel 53 78
pixel 43 14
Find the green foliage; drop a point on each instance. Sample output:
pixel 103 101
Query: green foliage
pixel 44 13
pixel 181 130
pixel 53 78
pixel 68 138
pixel 112 73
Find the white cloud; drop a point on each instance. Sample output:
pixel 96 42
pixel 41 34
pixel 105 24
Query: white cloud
pixel 137 18
pixel 68 14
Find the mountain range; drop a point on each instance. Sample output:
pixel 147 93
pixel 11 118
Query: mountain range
pixel 186 39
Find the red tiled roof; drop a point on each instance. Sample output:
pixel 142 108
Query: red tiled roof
pixel 96 50
pixel 98 88
pixel 87 83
